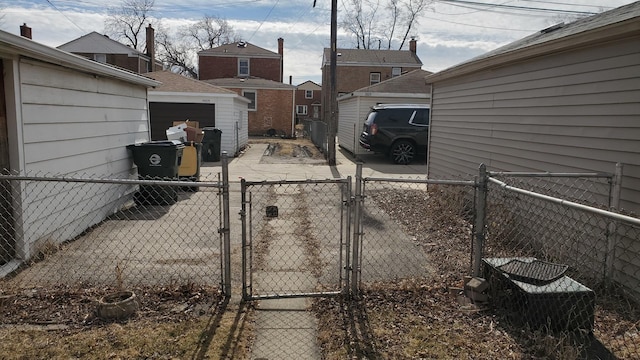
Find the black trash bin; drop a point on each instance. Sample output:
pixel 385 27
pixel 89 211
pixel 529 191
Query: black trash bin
pixel 211 144
pixel 157 160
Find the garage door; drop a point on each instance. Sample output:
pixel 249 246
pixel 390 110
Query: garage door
pixel 164 114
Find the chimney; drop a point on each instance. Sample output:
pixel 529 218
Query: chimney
pixel 151 46
pixel 412 45
pixel 25 31
pixel 281 52
pixel 290 80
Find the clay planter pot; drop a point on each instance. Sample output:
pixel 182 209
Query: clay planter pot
pixel 119 305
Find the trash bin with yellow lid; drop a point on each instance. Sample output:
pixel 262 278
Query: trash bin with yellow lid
pixel 190 167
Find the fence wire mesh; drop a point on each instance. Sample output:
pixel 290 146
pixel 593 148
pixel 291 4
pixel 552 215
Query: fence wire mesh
pixel 297 238
pixel 89 236
pixel 316 130
pixel 415 230
pixel 564 269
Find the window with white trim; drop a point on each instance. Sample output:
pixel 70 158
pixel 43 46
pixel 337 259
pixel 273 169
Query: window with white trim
pixel 308 94
pixel 251 95
pixel 396 71
pixel 374 78
pixel 301 109
pixel 243 67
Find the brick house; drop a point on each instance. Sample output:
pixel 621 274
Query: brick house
pixel 271 111
pixel 256 74
pixel 101 48
pixel 359 68
pixel 241 59
pixel 308 101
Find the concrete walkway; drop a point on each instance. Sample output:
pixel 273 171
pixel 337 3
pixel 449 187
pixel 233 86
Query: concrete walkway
pixel 285 328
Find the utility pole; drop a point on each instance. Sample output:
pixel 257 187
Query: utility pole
pixel 333 101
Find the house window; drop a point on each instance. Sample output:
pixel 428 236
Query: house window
pixel 243 67
pixel 301 109
pixel 308 94
pixel 396 72
pixel 101 58
pixel 251 95
pixel 374 78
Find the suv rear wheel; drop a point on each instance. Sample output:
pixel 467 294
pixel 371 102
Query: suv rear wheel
pixel 403 152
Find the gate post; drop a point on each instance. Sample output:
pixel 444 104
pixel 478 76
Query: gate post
pixel 226 284
pixel 243 218
pixel 357 233
pixel 612 236
pixel 480 221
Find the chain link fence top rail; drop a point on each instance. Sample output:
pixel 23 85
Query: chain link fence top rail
pixel 96 231
pixel 567 266
pixel 296 239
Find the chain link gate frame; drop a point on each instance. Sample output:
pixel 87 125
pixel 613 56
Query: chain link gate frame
pixel 295 238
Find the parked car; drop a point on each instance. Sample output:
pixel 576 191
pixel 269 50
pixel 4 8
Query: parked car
pixel 400 131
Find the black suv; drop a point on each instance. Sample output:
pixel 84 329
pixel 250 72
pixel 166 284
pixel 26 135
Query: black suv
pixel 398 130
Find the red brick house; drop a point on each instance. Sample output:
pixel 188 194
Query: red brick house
pixel 308 101
pixel 359 68
pixel 241 59
pixel 271 108
pixel 101 48
pixel 256 74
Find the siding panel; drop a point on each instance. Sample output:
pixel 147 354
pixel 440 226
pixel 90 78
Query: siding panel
pixel 577 110
pixel 74 123
pixel 572 111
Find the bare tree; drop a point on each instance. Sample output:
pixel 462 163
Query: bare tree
pixel 175 54
pixel 370 21
pixel 413 9
pixel 180 52
pixel 126 22
pixel 360 21
pixel 209 32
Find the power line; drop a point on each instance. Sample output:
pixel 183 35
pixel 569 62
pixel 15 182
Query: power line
pixel 570 4
pixel 516 7
pixel 263 20
pixel 63 14
pixel 476 10
pixel 478 26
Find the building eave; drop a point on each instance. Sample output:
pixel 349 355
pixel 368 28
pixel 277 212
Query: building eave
pixel 383 94
pixel 628 28
pixel 10 43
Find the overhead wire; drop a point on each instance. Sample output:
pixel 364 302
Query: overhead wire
pixel 63 14
pixel 263 20
pixel 516 7
pixel 569 4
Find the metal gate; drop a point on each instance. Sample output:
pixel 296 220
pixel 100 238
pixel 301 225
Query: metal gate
pixel 295 238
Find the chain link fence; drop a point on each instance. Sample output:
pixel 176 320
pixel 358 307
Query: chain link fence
pixel 67 238
pixel 415 229
pixel 556 259
pixel 316 130
pixel 552 255
pixel 297 238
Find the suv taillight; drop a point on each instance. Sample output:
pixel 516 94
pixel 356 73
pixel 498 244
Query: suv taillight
pixel 374 129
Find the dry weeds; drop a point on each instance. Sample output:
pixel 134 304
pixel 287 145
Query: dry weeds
pixel 419 318
pixel 172 322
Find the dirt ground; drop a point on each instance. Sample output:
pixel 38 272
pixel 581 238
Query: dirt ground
pixel 425 319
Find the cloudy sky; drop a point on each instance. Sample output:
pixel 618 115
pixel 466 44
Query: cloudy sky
pixel 448 33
